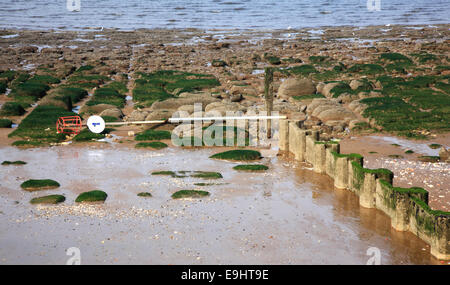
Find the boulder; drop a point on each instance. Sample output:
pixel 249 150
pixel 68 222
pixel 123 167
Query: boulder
pixel 159 115
pixel 249 90
pixel 218 63
pixel 236 98
pixel 296 87
pixel 353 123
pixel 96 109
pixel 444 154
pixel 319 102
pixel 347 97
pixel 329 110
pixel 320 87
pixel 357 107
pixel 113 112
pixel 137 115
pixel 327 88
pixel 186 108
pixel 175 103
pixel 223 107
pixel 336 114
pixel 355 84
pixel 28 49
pixel 297 116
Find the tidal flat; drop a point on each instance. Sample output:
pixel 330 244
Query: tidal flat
pixel 382 91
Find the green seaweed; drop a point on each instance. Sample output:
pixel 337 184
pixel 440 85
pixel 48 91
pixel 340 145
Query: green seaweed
pixel 44 79
pixel 86 135
pixel 165 84
pixel 39 184
pixel 238 154
pixel 106 95
pixel 40 125
pixel 251 167
pixel 12 109
pixel 50 199
pixel 5 123
pixel 434 146
pixel 17 162
pixel 189 194
pixel 151 134
pixel 308 97
pixel 304 70
pixel 92 196
pixel 367 69
pixel 155 145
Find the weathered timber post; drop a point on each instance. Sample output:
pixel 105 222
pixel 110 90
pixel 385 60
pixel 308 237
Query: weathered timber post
pixel 268 95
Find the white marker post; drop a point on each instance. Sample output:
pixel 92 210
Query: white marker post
pixel 179 120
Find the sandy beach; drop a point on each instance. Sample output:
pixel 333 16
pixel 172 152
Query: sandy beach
pixel 287 215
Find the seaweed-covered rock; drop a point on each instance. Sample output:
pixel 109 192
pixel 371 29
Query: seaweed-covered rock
pixel 175 103
pixel 189 194
pixel 39 184
pixel 327 88
pixel 96 109
pixel 92 196
pixel 251 167
pixel 5 123
pixel 238 154
pixel 50 199
pixel 358 84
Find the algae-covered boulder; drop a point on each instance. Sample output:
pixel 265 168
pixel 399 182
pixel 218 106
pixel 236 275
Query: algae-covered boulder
pixel 50 199
pixel 360 85
pixel 39 184
pixel 12 109
pixel 96 109
pixel 251 167
pixel 189 194
pixel 17 162
pixel 92 196
pixel 151 134
pixel 238 154
pixel 296 87
pixel 5 123
pixel 155 145
pixel 327 88
pixel 175 103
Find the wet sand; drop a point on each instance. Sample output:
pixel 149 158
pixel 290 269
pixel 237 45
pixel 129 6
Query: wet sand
pixel 287 215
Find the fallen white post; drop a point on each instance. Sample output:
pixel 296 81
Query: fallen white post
pixel 135 123
pixel 176 120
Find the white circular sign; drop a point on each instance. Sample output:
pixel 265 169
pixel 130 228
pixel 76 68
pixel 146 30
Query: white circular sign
pixel 96 124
